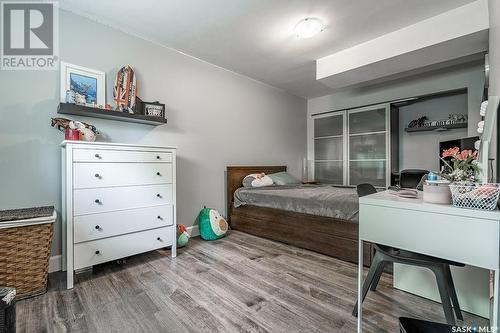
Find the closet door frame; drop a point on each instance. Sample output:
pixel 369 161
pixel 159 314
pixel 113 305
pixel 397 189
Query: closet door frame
pixel 345 132
pixel 347 167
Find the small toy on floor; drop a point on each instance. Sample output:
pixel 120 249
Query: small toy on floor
pixel 182 235
pixel 211 224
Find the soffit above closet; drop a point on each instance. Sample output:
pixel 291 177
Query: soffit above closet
pixel 454 37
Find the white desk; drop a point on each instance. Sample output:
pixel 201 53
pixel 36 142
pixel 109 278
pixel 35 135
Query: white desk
pixel 462 235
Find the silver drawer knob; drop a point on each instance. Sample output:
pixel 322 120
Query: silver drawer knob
pixel 159 239
pixel 159 217
pixel 97 176
pixel 158 157
pixel 97 252
pixel 158 173
pixel 158 195
pixel 97 156
pixel 98 227
pixel 97 201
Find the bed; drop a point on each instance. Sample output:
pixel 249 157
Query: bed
pixel 335 235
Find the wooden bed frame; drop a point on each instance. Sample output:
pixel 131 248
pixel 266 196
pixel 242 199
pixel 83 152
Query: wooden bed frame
pixel 326 235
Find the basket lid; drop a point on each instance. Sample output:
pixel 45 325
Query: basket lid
pixel 26 213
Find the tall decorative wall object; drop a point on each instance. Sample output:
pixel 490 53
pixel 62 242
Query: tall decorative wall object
pixel 125 89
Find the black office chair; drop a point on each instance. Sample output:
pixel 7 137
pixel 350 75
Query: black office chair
pixel 440 268
pixel 410 178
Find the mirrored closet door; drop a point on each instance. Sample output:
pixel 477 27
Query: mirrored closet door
pixel 353 146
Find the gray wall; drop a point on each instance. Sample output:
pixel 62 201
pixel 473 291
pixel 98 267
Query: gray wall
pixel 216 118
pixel 421 149
pixel 466 76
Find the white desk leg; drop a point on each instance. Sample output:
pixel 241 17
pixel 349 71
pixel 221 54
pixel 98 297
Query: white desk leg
pixel 496 296
pixel 69 272
pixel 174 244
pixel 360 284
pixel 174 241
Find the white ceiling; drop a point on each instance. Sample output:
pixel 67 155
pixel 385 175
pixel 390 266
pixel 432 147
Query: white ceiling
pixel 254 37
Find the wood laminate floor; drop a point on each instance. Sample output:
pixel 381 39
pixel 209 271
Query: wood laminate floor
pixel 240 283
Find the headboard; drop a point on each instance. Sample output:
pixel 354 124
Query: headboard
pixel 235 175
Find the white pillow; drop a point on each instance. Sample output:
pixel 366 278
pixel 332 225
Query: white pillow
pixel 257 180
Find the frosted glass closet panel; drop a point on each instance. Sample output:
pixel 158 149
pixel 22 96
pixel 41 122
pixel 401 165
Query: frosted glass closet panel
pixel 368 145
pixel 329 125
pixel 328 149
pixel 372 120
pixel 371 172
pixel 329 172
pixel 329 141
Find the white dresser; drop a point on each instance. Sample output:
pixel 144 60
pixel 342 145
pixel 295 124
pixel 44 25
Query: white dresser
pixel 118 200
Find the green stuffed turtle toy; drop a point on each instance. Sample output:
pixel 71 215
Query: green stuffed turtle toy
pixel 211 224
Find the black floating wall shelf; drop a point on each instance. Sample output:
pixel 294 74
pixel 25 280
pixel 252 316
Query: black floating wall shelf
pixel 436 128
pixel 86 111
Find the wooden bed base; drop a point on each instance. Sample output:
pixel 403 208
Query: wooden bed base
pixel 326 235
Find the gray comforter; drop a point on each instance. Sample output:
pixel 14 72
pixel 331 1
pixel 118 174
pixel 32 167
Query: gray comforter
pixel 323 200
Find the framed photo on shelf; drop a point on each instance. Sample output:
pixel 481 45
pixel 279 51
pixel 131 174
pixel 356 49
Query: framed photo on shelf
pixel 153 109
pixel 82 85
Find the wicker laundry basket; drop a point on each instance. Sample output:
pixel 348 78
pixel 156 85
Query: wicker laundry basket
pixel 25 242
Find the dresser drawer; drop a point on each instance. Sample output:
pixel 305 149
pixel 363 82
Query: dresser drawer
pixel 96 226
pixel 106 155
pixel 102 250
pixel 90 175
pixel 107 199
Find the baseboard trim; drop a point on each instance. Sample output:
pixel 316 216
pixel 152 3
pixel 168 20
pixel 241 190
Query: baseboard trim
pixel 55 263
pixel 193 231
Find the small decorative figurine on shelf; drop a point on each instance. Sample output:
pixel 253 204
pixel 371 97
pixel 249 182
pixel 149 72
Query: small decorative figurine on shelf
pixel 80 99
pixel 418 122
pixel 457 118
pixel 70 96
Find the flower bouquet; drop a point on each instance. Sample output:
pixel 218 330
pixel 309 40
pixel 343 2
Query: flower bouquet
pixel 462 170
pixel 462 167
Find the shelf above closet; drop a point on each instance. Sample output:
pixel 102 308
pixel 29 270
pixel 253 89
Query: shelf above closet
pixel 436 128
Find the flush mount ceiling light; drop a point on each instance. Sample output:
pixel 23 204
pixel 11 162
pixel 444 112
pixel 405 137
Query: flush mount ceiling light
pixel 308 27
